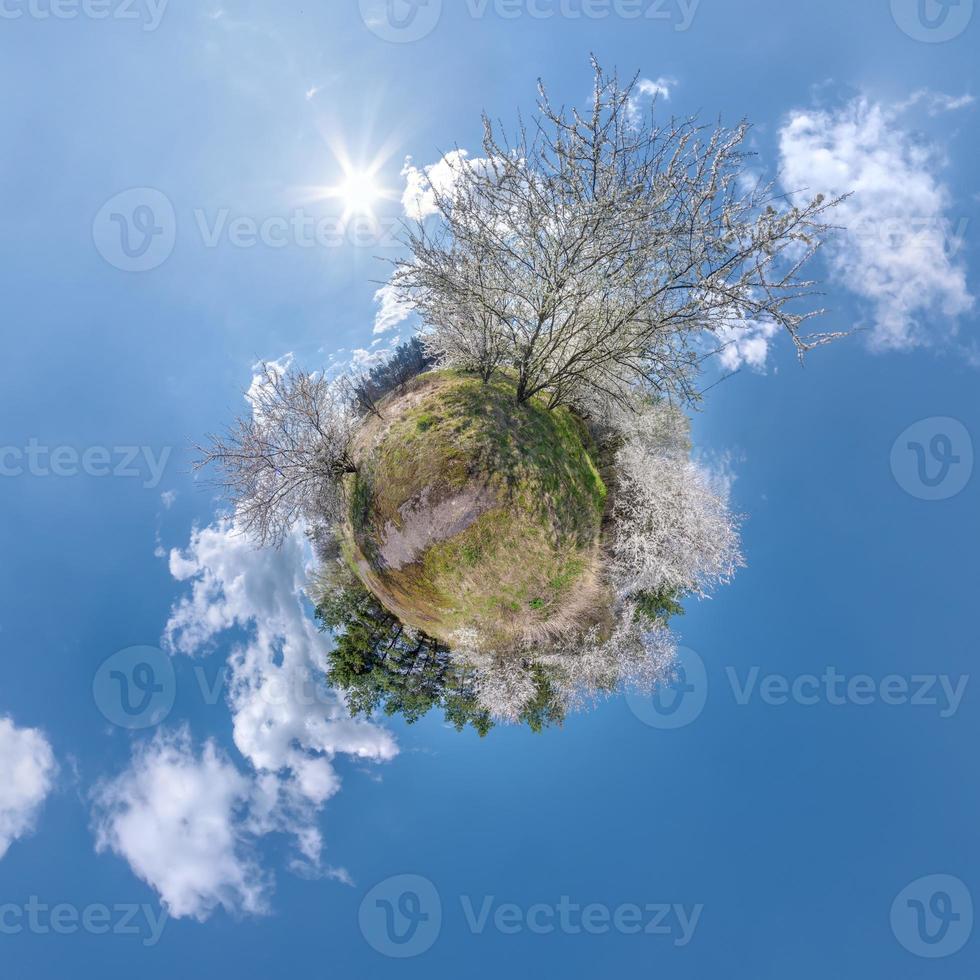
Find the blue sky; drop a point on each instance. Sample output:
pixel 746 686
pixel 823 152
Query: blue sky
pixel 825 772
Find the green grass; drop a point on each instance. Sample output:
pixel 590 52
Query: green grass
pixel 360 501
pixel 517 563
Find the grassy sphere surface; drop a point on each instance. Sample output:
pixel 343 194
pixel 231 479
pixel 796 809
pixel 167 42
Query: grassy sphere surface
pixel 470 511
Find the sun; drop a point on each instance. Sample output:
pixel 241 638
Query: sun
pixel 357 190
pixel 356 180
pixel 359 193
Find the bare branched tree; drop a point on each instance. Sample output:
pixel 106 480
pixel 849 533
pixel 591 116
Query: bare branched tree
pixel 285 459
pixel 594 252
pixel 467 333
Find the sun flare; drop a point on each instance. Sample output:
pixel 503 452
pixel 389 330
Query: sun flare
pixel 359 192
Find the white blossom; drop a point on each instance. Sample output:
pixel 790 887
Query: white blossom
pixel 593 254
pixel 674 530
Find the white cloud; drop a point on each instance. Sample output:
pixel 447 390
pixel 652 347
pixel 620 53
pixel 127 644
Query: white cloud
pixel 259 378
pixel 188 824
pixel 661 88
pixel 936 103
pixel 28 768
pixel 647 88
pixel 422 185
pixel 287 723
pixel 898 252
pixel 720 469
pixel 364 360
pixel 393 309
pixel 176 818
pixel 168 498
pixel 745 344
